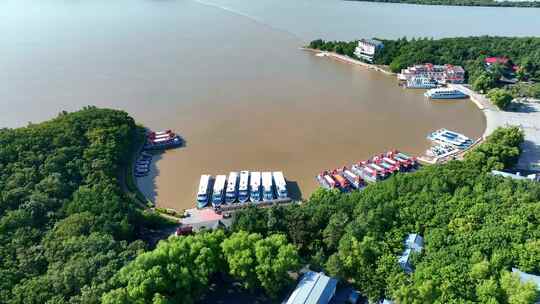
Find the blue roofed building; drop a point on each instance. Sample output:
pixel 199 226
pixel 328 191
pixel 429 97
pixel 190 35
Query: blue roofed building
pixel 518 176
pixel 526 278
pixel 413 243
pixel 313 288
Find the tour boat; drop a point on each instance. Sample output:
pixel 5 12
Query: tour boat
pixel 255 187
pixel 281 185
pixel 330 181
pixel 444 136
pixel 354 180
pixel 219 188
pixel 243 188
pixel 268 185
pixel 322 181
pixel 164 143
pixel 421 83
pixel 445 93
pixel 202 194
pixel 232 182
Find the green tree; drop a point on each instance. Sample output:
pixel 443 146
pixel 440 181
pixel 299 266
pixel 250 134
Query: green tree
pixel 517 292
pixel 177 271
pixel 239 252
pixel 484 83
pixel 275 259
pixel 500 97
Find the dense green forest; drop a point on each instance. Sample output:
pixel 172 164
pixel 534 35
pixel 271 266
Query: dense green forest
pixel 468 52
pixel 464 2
pixel 476 227
pixel 69 234
pixel 179 270
pixel 65 226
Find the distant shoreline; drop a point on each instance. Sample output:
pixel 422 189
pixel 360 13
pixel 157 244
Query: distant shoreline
pixel 349 60
pixel 469 3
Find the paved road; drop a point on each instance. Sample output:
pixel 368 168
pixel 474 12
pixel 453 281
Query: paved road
pixel 524 115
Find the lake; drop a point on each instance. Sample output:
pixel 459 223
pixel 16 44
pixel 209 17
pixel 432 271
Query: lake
pixel 228 76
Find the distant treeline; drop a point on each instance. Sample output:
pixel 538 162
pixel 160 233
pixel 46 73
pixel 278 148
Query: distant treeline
pixel 463 2
pixel 468 52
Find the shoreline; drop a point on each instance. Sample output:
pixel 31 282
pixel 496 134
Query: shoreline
pixel 348 60
pixel 527 119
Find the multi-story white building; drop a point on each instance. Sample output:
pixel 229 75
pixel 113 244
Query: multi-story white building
pixel 367 48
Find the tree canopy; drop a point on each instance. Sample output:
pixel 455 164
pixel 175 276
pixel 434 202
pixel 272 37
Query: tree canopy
pixel 65 226
pixel 468 52
pixel 476 227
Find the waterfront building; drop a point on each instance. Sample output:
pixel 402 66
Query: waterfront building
pixel 414 243
pixel 367 48
pixel 440 73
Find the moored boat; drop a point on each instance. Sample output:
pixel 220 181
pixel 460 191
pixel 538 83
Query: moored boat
pixel 218 193
pixel 268 186
pixel 355 180
pixel 243 188
pixel 255 187
pixel 204 189
pixel 232 184
pixel 281 185
pixel 445 93
pixel 421 83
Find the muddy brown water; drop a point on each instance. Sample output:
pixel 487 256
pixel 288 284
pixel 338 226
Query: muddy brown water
pixel 241 93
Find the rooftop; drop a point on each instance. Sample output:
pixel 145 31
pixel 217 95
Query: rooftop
pixel 314 288
pixel 526 277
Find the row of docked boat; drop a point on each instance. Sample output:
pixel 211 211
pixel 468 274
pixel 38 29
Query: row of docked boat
pixel 142 166
pixel 372 170
pixel 162 140
pixel 241 187
pixel 452 138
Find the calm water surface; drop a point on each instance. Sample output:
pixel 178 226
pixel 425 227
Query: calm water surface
pixel 229 77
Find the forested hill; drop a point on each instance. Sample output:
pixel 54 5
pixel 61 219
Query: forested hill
pixel 65 226
pixel 476 227
pixel 464 2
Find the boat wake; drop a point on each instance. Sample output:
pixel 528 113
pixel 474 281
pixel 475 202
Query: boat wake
pixel 250 17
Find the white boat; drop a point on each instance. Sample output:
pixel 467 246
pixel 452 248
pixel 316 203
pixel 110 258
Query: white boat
pixel 232 183
pixel 354 179
pixel 243 188
pixel 267 183
pixel 255 187
pixel 444 93
pixel 281 184
pixel 444 136
pixel 421 83
pixel 202 194
pixel 219 188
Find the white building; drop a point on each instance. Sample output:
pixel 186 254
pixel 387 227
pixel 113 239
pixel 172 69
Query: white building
pixel 367 48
